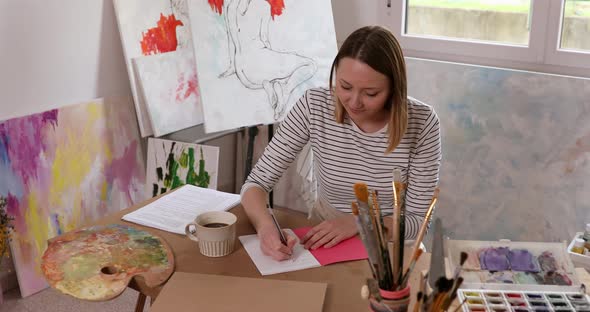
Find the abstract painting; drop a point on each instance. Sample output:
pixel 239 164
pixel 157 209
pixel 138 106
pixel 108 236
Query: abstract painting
pixel 63 168
pixel 168 83
pixel 256 58
pixel 516 150
pixel 171 164
pixel 150 27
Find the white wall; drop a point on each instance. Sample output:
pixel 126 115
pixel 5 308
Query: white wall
pixel 58 52
pixel 352 14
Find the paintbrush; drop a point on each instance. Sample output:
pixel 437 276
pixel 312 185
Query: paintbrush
pixel 422 289
pixel 426 221
pixel 381 236
pixel 443 287
pixel 371 253
pixel 402 240
pixel 462 260
pixel 406 276
pixel 418 299
pixel 374 221
pixel 456 280
pixel 379 218
pixel 459 307
pixel 362 194
pixel 397 262
pixel 453 293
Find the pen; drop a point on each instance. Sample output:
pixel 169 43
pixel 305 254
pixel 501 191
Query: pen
pixel 274 219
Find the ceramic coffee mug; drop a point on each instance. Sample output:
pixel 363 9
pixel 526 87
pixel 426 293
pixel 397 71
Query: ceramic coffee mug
pixel 215 231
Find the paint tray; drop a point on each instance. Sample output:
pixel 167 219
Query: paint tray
pixel 562 278
pixel 578 259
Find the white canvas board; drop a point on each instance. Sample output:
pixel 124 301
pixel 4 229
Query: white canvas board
pixel 168 22
pixel 169 85
pixel 256 60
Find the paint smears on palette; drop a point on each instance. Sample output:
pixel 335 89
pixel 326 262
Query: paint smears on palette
pixel 97 263
pixel 516 301
pixel 513 265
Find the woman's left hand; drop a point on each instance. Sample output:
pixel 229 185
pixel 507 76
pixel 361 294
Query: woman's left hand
pixel 330 232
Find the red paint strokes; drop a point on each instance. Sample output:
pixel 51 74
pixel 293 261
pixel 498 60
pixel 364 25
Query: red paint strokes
pixel 162 38
pixel 276 7
pixel 186 87
pixel 216 5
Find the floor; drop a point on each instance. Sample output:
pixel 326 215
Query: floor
pixel 50 300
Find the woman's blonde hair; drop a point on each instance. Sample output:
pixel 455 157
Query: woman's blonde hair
pixel 378 48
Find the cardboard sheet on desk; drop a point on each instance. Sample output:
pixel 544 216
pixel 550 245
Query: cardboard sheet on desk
pixel 201 292
pixel 347 250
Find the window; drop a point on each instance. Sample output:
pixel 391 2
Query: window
pixel 568 33
pixel 543 35
pixel 501 21
pixel 575 28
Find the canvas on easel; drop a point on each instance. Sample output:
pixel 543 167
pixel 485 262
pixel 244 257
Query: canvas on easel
pixel 149 27
pixel 64 168
pixel 171 164
pixel 256 58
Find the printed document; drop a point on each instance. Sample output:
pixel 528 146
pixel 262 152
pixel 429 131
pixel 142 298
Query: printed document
pixel 172 212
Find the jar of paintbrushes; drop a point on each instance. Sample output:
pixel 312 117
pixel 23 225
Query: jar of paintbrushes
pixel 388 290
pixel 387 301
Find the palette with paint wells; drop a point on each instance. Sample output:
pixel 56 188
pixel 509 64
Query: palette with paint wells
pixel 523 301
pixel 507 265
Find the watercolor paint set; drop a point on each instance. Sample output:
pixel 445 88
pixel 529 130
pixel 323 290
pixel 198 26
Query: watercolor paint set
pixel 506 276
pixel 507 265
pixel 522 301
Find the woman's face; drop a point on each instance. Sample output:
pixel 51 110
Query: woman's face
pixel 362 91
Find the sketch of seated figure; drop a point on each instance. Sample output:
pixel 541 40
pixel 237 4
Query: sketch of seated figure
pixel 253 59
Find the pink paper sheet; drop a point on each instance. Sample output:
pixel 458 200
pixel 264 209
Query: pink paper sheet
pixel 347 250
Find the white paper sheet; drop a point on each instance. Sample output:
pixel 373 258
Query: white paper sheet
pixel 174 211
pixel 301 259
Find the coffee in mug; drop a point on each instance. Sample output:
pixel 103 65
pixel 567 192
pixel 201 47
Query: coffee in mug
pixel 215 225
pixel 215 231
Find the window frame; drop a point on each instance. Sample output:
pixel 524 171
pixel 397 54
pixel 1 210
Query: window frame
pixel 555 55
pixel 541 54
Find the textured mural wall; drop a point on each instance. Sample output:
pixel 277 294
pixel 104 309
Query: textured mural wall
pixel 515 150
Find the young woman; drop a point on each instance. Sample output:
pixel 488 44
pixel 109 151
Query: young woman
pixel 360 130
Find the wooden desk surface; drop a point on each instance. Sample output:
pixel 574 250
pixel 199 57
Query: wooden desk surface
pixel 344 279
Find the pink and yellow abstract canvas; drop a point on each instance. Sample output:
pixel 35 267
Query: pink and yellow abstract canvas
pixel 64 168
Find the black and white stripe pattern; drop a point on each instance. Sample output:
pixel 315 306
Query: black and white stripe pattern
pixel 344 155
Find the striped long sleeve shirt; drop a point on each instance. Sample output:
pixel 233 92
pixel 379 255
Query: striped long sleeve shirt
pixel 343 154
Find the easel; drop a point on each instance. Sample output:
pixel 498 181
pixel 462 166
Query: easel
pixel 252 133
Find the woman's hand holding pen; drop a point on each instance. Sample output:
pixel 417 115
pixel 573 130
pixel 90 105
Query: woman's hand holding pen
pixel 330 232
pixel 270 242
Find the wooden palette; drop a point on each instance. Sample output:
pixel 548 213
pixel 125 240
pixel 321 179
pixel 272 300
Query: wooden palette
pixel 97 263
